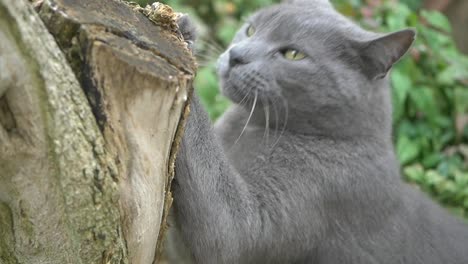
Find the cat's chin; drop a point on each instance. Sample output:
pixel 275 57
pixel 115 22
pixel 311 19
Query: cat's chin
pixel 235 94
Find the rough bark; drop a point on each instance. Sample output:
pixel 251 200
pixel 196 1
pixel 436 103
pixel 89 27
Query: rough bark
pixel 87 140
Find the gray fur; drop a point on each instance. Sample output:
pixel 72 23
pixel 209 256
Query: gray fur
pixel 313 178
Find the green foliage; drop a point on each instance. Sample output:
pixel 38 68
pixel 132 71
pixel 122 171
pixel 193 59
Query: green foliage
pixel 430 94
pixel 430 103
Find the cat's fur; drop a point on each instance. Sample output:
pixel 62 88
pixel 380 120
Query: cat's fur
pixel 313 178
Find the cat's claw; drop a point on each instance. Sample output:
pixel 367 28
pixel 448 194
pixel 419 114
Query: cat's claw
pixel 188 30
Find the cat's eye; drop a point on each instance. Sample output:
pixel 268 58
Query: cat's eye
pixel 250 31
pixel 292 54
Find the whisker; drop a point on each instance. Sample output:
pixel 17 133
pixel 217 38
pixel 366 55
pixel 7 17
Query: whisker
pixel 238 92
pixel 266 108
pixel 245 96
pixel 285 104
pixel 206 61
pixel 205 58
pixel 211 45
pixel 216 44
pixel 276 119
pixel 248 119
pixel 204 55
pixel 208 53
pixel 204 64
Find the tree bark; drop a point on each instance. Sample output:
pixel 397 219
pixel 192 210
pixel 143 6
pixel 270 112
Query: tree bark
pixel 92 101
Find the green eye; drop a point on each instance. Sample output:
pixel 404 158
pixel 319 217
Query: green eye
pixel 292 54
pixel 250 31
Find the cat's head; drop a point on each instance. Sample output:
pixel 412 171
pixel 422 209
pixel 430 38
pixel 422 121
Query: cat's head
pixel 316 69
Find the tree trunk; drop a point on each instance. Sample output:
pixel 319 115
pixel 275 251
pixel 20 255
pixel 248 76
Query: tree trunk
pixel 457 11
pixel 88 131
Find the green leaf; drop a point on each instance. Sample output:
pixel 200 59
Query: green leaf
pixel 228 30
pixel 413 4
pixel 465 203
pixel 401 84
pixel 206 83
pixel 461 178
pixel 407 150
pixel 433 178
pixel 423 99
pixel 436 40
pixel 432 160
pixel 446 187
pixel 437 19
pixel 451 75
pixel 397 19
pixel 414 173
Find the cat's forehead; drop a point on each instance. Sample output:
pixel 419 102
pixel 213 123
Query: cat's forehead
pixel 291 15
pixel 286 21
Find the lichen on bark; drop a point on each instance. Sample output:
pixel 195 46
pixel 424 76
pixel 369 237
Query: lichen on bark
pixel 87 131
pixel 55 177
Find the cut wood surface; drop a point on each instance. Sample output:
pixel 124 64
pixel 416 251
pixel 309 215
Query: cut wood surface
pixel 92 101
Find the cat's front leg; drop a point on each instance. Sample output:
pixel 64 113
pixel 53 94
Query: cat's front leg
pixel 188 30
pixel 213 206
pixel 221 216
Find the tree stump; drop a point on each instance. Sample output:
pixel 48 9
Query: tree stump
pixel 92 101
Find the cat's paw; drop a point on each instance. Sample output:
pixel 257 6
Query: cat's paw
pixel 188 30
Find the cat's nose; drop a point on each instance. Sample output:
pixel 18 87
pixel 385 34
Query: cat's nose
pixel 236 57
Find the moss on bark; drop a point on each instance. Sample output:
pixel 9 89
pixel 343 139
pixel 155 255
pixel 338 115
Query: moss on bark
pixel 73 191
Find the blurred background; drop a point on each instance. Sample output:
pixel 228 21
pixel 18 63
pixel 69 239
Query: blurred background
pixel 430 86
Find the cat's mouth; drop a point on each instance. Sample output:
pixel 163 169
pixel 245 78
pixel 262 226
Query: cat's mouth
pixel 240 82
pixel 235 86
pixel 241 85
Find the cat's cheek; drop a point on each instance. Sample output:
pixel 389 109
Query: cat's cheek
pixel 223 83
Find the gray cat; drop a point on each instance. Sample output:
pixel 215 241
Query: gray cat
pixel 312 177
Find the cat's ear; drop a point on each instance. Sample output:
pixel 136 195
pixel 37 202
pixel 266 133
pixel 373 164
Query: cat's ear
pixel 379 55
